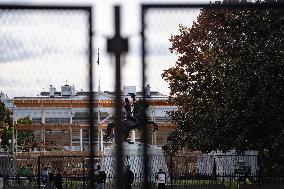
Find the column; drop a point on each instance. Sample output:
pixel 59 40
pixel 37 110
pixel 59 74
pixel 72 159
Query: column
pixel 42 116
pixel 154 134
pixel 98 141
pixel 89 140
pixel 99 132
pixel 42 129
pixel 81 139
pixel 43 137
pixel 12 142
pixel 155 138
pixel 70 130
pixel 71 116
pixel 133 136
pixel 71 137
pixel 102 140
pixel 15 140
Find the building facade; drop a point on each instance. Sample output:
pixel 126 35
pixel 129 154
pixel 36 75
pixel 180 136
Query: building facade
pixel 60 119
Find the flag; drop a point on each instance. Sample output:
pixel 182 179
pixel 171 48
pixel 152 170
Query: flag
pixel 98 61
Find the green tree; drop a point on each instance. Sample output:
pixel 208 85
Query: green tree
pixel 228 83
pixel 6 125
pixel 23 136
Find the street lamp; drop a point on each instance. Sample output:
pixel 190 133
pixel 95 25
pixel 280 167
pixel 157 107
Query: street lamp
pixel 9 144
pixel 1 148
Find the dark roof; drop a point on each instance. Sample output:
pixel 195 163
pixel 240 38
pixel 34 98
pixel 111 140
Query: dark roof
pixel 47 93
pixel 87 115
pixel 86 93
pixel 152 93
pixel 80 93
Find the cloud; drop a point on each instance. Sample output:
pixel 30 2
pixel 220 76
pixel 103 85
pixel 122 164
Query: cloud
pixel 30 34
pixel 39 48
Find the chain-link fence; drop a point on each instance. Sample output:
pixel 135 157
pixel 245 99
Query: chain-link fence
pixel 43 47
pixel 45 52
pixel 53 129
pixel 199 171
pixel 173 39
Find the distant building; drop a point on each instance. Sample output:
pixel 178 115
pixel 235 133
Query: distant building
pixel 6 100
pixel 229 1
pixel 61 118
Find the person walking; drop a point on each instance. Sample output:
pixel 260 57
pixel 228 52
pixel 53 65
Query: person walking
pixel 58 180
pixel 45 176
pixel 50 184
pixel 129 177
pixel 100 177
pixel 161 179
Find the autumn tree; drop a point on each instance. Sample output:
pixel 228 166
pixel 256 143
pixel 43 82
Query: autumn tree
pixel 23 136
pixel 228 83
pixel 5 125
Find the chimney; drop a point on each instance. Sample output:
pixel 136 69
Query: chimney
pixel 73 91
pixel 129 89
pixel 124 91
pixel 51 91
pixel 2 96
pixel 148 90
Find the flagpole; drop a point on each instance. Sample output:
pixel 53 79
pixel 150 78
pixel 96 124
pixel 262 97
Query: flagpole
pixel 99 91
pixel 98 62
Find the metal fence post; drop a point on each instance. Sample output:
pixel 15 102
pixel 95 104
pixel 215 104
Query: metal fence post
pixel 118 46
pixel 38 172
pixel 84 177
pixel 171 171
pixel 91 100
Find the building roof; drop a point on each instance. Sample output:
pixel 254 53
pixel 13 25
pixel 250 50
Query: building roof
pixel 107 94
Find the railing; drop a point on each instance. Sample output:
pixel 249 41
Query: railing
pixel 193 182
pixel 78 172
pixel 197 171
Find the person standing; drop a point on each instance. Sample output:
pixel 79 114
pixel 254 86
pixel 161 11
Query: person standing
pixel 1 183
pixel 100 177
pixel 129 177
pixel 161 179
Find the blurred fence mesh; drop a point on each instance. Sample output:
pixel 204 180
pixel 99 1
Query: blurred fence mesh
pixel 160 24
pixel 39 48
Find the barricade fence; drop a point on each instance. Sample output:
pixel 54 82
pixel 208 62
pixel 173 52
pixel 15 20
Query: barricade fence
pixel 199 171
pixel 45 45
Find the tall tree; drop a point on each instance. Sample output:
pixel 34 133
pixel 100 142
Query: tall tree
pixel 228 82
pixel 24 136
pixel 5 125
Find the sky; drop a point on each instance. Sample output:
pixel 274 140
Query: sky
pixel 39 49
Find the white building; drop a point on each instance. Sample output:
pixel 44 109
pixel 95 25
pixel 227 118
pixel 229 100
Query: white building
pixel 61 118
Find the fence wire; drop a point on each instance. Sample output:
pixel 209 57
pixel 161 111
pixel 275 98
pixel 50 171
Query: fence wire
pixel 51 47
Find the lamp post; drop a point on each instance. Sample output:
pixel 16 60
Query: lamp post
pixel 1 148
pixel 11 146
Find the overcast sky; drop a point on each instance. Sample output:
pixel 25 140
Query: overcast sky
pixel 43 48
